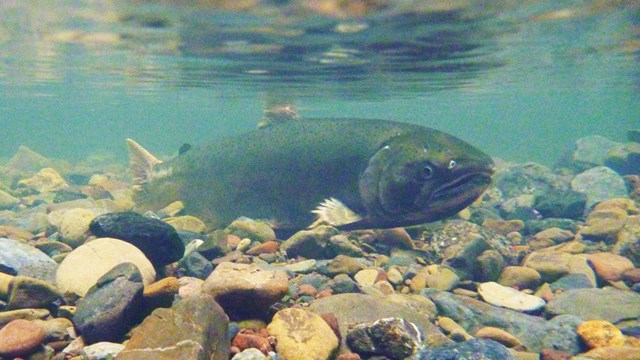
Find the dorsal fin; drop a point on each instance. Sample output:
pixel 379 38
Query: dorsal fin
pixel 141 162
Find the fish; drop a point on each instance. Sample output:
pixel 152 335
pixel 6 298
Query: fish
pixel 347 173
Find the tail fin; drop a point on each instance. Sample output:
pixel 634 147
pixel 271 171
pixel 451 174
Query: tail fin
pixel 141 162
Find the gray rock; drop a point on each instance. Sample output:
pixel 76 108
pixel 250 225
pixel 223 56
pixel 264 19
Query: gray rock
pixel 195 265
pixel 599 183
pixel 108 310
pixel 571 282
pixel 596 304
pixel 527 179
pixel 158 240
pixel 394 338
pixel 310 244
pixel 556 203
pixel 342 284
pixel 16 258
pixel 352 309
pixel 591 151
pixel 194 328
pixel 624 158
pixel 520 208
pixel 533 331
pixel 474 349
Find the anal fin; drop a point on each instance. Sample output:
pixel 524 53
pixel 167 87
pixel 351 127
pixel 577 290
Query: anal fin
pixel 334 213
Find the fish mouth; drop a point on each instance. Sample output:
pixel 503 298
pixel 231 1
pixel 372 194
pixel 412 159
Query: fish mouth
pixel 463 188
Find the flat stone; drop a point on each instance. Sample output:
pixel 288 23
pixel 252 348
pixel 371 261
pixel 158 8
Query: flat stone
pixel 56 329
pixel 109 308
pixel 82 268
pixel 368 277
pixel 24 314
pixel 194 328
pixel 434 276
pixel 310 244
pixel 157 240
pixel 245 290
pixel 268 247
pixel 611 353
pixel 248 228
pixel 499 335
pixel 499 295
pixel 102 351
pixel 553 265
pixel 596 304
pixel 20 337
pixel 343 264
pixel 599 333
pixel 302 335
pixel 16 256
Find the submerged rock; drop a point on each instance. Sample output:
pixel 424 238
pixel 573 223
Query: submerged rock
pixel 474 349
pixel 158 240
pixel 20 337
pixel 599 183
pixel 393 338
pixel 310 244
pixel 16 257
pixel 302 335
pixel 596 304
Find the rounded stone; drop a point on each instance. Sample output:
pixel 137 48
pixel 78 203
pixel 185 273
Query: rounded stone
pixel 600 333
pixel 187 223
pixel 519 277
pixel 20 337
pixel 82 268
pixel 498 295
pixel 609 266
pixel 302 335
pixel 245 290
pixel 74 224
pixel 499 335
pixel 368 277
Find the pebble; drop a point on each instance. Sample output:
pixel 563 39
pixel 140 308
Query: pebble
pixel 302 335
pixel 244 290
pixel 499 295
pixel 343 264
pixel 370 276
pixel 22 314
pixel 599 333
pixel 611 353
pixel 82 268
pixel 268 247
pixel 310 244
pixel 504 227
pixel 249 339
pixel 434 276
pixel 302 267
pixel 7 201
pixel 20 337
pixel 395 276
pixel 250 354
pixel 552 265
pixel 499 335
pixel 470 349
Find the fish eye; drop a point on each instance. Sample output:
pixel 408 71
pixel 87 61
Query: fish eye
pixel 452 164
pixel 426 172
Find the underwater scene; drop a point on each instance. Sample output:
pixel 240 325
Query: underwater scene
pixel 319 179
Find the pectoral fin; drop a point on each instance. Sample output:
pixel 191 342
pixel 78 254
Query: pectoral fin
pixel 334 213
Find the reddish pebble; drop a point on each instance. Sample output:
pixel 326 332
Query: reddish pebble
pixel 332 321
pixel 268 247
pixel 551 354
pixel 233 241
pixel 307 290
pixel 632 275
pixel 324 293
pixel 20 337
pixel 348 356
pixel 251 340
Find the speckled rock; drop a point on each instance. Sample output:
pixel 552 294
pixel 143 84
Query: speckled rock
pixel 101 351
pixel 82 268
pixel 194 328
pixel 608 266
pixel 15 257
pixel 474 349
pixel 27 292
pixel 159 242
pixel 534 332
pixel 598 333
pixel 110 306
pixel 527 179
pixel 499 295
pixel 309 244
pixel 599 183
pixel 596 304
pixel 353 308
pixel 45 180
pixel 611 353
pixel 245 290
pixel 519 277
pixel 20 337
pixel 248 228
pixel 74 225
pixel 393 338
pixel 302 335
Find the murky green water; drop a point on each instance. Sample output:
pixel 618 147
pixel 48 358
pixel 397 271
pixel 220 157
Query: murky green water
pixel 521 80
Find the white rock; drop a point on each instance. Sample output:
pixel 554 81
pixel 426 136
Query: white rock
pixel 80 270
pixel 498 295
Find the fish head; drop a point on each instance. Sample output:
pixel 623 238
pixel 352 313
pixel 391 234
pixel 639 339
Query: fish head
pixel 422 176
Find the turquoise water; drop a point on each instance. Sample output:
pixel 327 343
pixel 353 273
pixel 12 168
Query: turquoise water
pixel 521 80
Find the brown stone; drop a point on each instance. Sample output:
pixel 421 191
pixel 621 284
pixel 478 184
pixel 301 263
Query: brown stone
pixel 609 266
pixel 302 335
pixel 632 275
pixel 499 335
pixel 20 337
pixel 268 247
pixel 552 354
pixel 307 290
pixel 613 353
pixel 248 339
pixel 504 227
